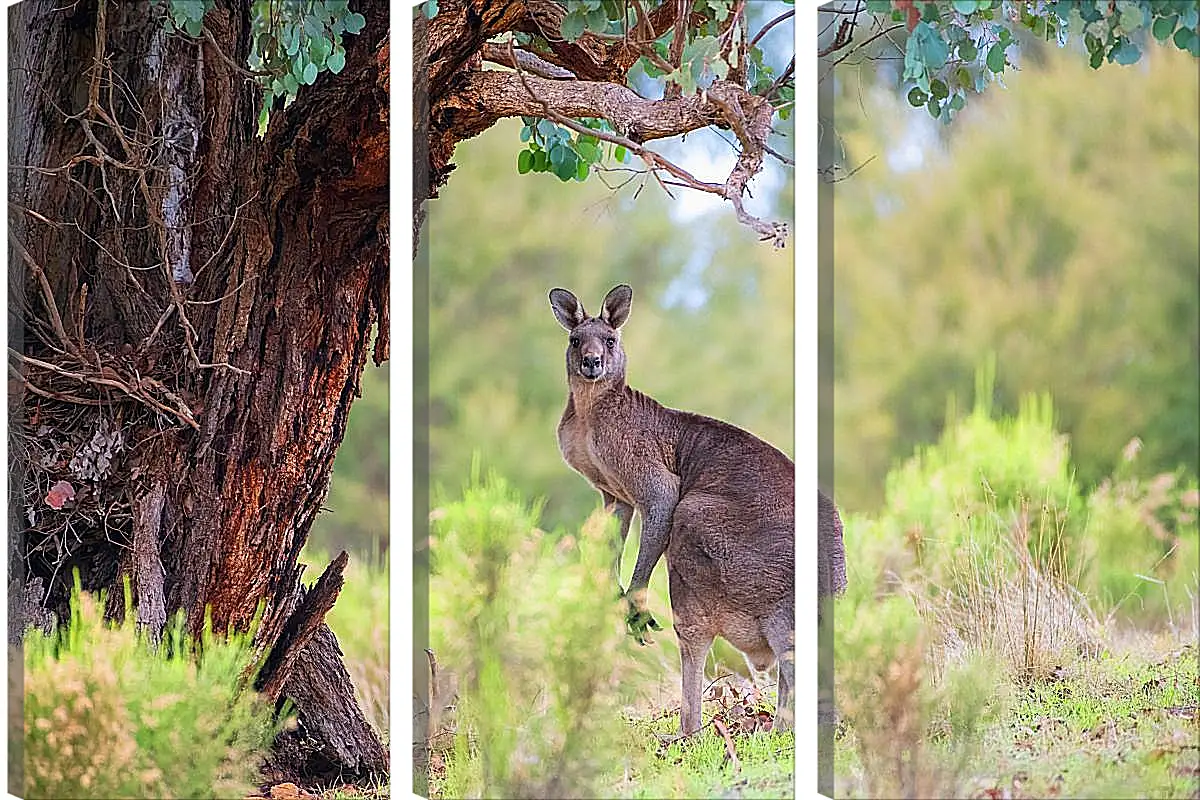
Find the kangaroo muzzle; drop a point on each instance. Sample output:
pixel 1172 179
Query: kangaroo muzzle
pixel 591 367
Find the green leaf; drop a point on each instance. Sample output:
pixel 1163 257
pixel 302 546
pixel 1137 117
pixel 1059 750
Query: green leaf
pixel 355 22
pixel 290 84
pixel 1125 52
pixel 264 114
pixel 916 97
pixel 967 51
pixel 336 61
pixel 313 27
pixel 524 161
pixel 1164 27
pixel 879 6
pixel 995 58
pixel 925 48
pixel 1183 38
pixel 430 9
pixel 957 102
pixel 587 151
pixel 621 154
pixel 310 73
pixel 1131 18
pixel 194 27
pixel 526 133
pixel 597 20
pixel 541 161
pixel 581 171
pixel 547 130
pixel 573 26
pixel 934 108
pixel 966 6
pixel 318 50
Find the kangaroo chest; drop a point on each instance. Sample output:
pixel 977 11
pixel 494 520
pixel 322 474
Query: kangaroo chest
pixel 585 454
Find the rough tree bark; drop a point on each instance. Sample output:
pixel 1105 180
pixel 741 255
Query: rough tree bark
pixel 191 308
pixel 457 99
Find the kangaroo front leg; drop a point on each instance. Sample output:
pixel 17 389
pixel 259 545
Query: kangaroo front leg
pixel 656 525
pixel 624 514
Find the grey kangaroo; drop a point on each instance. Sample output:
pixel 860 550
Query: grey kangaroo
pixel 715 499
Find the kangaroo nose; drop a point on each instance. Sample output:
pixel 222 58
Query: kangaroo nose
pixel 591 362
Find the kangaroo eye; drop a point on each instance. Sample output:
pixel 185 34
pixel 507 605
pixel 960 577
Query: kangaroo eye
pixel 574 341
pixel 611 342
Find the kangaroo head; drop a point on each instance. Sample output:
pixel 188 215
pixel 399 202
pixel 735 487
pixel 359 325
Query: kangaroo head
pixel 594 351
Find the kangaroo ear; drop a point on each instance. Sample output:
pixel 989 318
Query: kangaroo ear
pixel 617 304
pixel 567 308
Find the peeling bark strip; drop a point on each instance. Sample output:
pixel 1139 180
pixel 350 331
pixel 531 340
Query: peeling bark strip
pixel 300 627
pixel 136 169
pixel 148 571
pixel 585 78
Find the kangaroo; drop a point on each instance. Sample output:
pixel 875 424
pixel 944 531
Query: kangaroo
pixel 715 499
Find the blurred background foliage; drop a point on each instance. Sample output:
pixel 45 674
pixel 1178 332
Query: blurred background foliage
pixel 355 514
pixel 1055 226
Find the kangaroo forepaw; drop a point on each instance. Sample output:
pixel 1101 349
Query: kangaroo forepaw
pixel 638 622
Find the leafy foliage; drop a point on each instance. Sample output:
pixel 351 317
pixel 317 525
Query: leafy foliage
pixel 553 149
pixel 956 48
pixel 520 618
pixel 292 41
pixel 708 48
pixel 109 715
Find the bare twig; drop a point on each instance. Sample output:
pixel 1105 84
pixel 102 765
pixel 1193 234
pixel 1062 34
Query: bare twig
pixel 110 378
pixel 47 294
pixel 730 753
pixel 765 28
pixel 771 151
pixel 859 47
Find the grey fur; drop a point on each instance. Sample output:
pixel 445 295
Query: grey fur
pixel 715 499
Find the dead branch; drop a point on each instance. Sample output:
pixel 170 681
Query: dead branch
pixel 136 389
pixel 730 752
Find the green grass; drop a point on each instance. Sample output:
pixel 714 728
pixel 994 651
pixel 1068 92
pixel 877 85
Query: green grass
pixel 1117 726
pixel 700 766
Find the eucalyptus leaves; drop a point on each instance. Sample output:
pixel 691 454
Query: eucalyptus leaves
pixel 292 41
pixel 960 46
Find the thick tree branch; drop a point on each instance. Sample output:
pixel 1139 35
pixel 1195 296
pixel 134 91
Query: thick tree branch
pixel 748 115
pixel 482 98
pixel 523 59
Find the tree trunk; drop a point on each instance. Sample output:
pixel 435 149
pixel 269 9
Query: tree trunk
pixel 191 308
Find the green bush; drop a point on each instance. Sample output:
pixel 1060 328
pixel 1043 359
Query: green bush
pixel 532 629
pixel 1145 544
pixel 108 715
pixel 989 475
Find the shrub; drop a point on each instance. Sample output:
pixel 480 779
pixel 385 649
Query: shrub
pixel 999 468
pixel 109 715
pixel 1145 543
pixel 532 628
